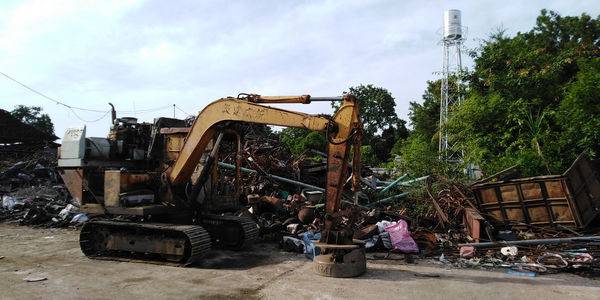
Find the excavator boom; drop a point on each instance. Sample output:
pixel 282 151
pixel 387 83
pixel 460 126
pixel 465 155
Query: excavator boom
pixel 233 109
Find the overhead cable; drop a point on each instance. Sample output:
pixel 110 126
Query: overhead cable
pixel 49 98
pixel 104 112
pixel 90 121
pixel 176 106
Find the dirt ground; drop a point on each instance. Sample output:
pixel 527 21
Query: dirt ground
pixel 263 272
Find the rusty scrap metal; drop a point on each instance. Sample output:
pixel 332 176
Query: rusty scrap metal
pixel 571 199
pixel 294 182
pixel 441 215
pixel 388 199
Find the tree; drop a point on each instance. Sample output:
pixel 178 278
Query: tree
pixel 579 112
pixel 425 118
pixel 549 72
pixel 299 139
pixel 377 109
pixel 419 152
pixel 382 127
pixel 33 116
pixel 389 138
pixel 532 100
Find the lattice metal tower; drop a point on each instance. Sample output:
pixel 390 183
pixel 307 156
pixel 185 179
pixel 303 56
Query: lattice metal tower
pixel 452 88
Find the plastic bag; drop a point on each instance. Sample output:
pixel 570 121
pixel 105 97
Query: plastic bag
pixel 370 242
pixel 386 240
pixel 381 225
pixel 66 212
pixel 401 239
pixel 8 202
pixel 292 244
pixel 309 247
pixel 79 218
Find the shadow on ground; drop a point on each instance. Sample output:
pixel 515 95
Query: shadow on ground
pixel 258 255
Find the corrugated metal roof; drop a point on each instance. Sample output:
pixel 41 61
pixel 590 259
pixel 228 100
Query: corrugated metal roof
pixel 12 130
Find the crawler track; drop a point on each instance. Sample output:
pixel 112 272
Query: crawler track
pixel 230 232
pixel 169 244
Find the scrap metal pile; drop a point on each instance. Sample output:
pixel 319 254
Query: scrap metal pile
pixel 446 220
pixel 33 194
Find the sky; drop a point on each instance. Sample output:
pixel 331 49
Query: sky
pixel 145 56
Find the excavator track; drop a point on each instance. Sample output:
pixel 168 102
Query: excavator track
pixel 169 244
pixel 231 232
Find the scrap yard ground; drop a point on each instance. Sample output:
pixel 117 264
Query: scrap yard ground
pixel 263 272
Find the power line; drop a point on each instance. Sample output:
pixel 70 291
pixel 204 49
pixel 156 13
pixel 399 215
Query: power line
pixel 73 108
pixel 89 121
pixel 139 111
pixel 182 110
pixel 49 98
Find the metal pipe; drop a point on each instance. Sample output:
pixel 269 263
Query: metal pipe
pixel 387 188
pixel 400 184
pixel 415 180
pixel 406 183
pixel 389 199
pixel 326 99
pixel 403 184
pixel 229 166
pixel 113 113
pixel 384 182
pixel 298 183
pixel 532 242
pixel 226 165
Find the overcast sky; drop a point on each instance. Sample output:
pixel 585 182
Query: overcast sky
pixel 142 55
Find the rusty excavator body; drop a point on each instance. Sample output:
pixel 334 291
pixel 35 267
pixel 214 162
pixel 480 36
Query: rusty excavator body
pixel 155 193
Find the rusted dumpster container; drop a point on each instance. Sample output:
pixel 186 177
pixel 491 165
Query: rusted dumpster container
pixel 570 200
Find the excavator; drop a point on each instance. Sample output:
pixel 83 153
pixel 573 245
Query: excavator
pixel 156 193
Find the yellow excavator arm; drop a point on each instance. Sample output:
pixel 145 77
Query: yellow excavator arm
pixel 233 109
pixel 249 109
pixel 343 131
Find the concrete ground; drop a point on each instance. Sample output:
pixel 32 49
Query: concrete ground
pixel 264 272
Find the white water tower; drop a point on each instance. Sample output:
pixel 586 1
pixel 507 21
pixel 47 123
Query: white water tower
pixel 452 25
pixel 452 87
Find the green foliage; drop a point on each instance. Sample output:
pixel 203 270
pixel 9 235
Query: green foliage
pixel 532 100
pixel 389 137
pixel 382 127
pixel 367 155
pixel 298 140
pixel 416 204
pixel 579 113
pixel 419 154
pixel 377 109
pixel 534 97
pixel 425 118
pixel 33 116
